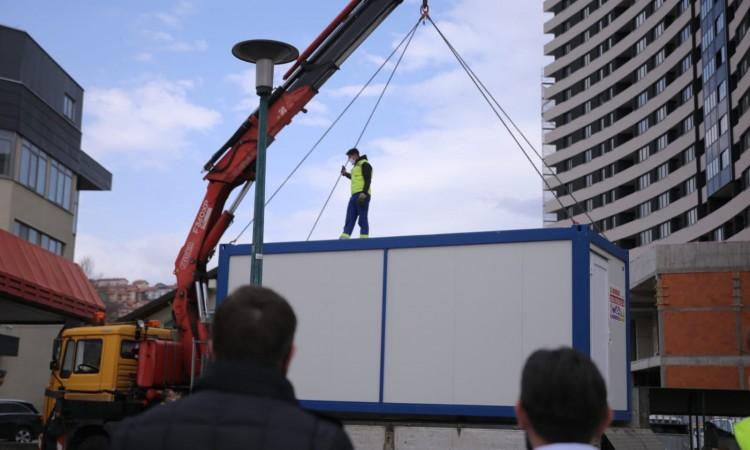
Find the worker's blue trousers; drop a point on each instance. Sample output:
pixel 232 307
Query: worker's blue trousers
pixel 353 211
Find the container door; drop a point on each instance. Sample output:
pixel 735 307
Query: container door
pixel 600 332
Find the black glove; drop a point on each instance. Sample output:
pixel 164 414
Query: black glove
pixel 362 199
pixel 343 170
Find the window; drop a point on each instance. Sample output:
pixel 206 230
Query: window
pixel 60 184
pixel 661 113
pixel 643 126
pixel 69 107
pixel 661 85
pixel 640 18
pixel 88 356
pixel 710 102
pixel 663 200
pixel 646 237
pixel 36 237
pixel 708 70
pixel 642 98
pixel 5 152
pixel 687 124
pixel 645 209
pixel 685 64
pixel 662 142
pixel 712 134
pixel 33 171
pixel 712 168
pixel 589 180
pixel 665 229
pixel 723 124
pixel 722 90
pixel 69 359
pixel 663 171
pixel 719 234
pixel 644 181
pixel 720 22
pixel 643 154
pixel 708 37
pixel 689 154
pixel 687 93
pixel 658 30
pixel 721 57
pixel 692 216
pixel 725 159
pixel 690 186
pixel 642 72
pixel 129 349
pixel 641 45
pixel 685 34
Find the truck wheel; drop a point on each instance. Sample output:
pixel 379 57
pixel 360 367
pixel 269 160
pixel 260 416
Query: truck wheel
pixel 95 442
pixel 23 435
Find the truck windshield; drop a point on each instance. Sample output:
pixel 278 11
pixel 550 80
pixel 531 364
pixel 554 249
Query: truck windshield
pixel 82 356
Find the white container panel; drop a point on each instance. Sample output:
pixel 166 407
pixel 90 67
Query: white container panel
pixel 461 318
pixel 338 335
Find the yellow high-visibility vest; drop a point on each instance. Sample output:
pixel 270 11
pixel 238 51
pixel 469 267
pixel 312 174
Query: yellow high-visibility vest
pixel 358 180
pixel 742 434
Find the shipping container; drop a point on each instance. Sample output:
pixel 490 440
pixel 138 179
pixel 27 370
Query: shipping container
pixel 442 324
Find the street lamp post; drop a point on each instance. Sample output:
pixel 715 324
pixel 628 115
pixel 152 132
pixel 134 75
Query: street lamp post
pixel 264 54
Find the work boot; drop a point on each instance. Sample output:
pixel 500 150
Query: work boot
pixel 344 236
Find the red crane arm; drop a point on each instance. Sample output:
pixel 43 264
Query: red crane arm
pixel 233 164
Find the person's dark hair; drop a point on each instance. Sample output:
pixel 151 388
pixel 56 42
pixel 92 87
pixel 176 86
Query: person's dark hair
pixel 564 395
pixel 352 151
pixel 254 323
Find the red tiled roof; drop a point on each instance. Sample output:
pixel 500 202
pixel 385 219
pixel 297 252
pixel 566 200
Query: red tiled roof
pixel 35 276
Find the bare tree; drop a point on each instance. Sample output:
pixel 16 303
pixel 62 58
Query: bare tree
pixel 87 265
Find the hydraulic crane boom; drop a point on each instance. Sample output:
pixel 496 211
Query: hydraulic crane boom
pixel 233 164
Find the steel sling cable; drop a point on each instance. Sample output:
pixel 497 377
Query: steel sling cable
pixel 367 123
pixel 489 98
pixel 333 124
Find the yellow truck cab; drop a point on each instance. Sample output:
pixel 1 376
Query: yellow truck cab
pixel 94 382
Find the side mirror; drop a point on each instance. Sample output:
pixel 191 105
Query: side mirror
pixel 53 365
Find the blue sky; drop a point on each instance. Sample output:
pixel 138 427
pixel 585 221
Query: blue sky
pixel 163 92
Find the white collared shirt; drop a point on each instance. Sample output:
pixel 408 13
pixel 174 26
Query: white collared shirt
pixel 567 446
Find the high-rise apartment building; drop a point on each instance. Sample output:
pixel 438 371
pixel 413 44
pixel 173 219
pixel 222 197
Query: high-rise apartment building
pixel 646 121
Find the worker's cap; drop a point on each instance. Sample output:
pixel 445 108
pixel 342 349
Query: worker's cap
pixel 352 151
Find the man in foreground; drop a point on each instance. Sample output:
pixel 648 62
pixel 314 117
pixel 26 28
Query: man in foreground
pixel 245 400
pixel 563 402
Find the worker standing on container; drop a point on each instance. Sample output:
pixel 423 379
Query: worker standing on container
pixel 359 202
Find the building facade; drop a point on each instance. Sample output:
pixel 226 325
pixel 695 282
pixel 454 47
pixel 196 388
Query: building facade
pixel 42 166
pixel 122 297
pixel 42 171
pixel 646 122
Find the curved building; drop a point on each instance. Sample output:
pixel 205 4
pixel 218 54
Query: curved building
pixel 646 122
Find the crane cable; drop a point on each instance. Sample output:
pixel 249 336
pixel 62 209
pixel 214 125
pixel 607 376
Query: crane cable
pixel 367 123
pixel 489 98
pixel 333 124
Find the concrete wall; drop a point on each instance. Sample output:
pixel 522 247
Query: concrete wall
pixel 28 373
pixel 382 437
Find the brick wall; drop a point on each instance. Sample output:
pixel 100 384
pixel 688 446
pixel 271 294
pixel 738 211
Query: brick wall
pixel 705 321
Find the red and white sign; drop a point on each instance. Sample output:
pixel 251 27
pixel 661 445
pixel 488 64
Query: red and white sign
pixel 616 305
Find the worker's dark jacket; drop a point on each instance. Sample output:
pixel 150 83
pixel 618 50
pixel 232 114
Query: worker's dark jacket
pixel 236 406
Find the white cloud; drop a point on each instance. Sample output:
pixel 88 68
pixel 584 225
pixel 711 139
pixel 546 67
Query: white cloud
pixel 149 258
pixel 351 90
pixel 144 57
pixel 164 41
pixel 316 116
pixel 146 124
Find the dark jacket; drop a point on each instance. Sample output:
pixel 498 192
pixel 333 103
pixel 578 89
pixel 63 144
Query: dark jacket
pixel 235 406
